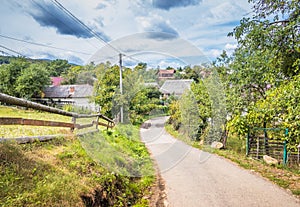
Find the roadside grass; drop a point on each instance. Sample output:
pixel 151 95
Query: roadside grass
pixel 120 151
pixel 69 171
pixel 283 176
pixel 13 131
pixel 10 131
pixel 35 175
pixel 61 173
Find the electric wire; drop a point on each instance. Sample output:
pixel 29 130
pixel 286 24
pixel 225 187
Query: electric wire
pixel 5 53
pixel 42 45
pixel 44 9
pixel 95 34
pixel 11 50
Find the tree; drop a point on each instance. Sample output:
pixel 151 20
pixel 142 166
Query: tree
pixel 71 75
pixel 58 67
pixel 141 66
pixel 273 34
pixel 9 74
pixel 267 57
pixel 32 80
pixel 203 101
pixel 190 119
pixel 105 86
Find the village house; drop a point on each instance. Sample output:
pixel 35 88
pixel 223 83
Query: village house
pixel 76 95
pixel 175 87
pixel 166 74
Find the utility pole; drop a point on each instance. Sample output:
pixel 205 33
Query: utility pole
pixel 121 89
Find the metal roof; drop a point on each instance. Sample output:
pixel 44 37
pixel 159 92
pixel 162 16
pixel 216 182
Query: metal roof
pixel 68 91
pixel 176 87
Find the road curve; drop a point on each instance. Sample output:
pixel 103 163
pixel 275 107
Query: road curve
pixel 196 178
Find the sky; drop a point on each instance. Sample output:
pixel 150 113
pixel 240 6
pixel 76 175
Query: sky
pixel 159 32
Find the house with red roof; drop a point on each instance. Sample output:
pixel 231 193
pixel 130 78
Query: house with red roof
pixel 166 74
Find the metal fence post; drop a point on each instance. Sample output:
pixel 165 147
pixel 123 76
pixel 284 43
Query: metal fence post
pixel 285 147
pixel 284 153
pixel 248 144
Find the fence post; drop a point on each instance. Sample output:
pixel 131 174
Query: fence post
pixel 284 153
pixel 257 148
pixel 248 144
pixel 298 153
pixel 285 147
pixel 97 122
pixel 74 122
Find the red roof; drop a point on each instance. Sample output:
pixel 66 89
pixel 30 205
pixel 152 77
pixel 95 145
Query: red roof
pixel 56 81
pixel 166 71
pixel 166 74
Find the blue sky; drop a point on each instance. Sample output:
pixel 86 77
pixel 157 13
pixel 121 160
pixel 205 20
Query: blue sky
pixel 158 32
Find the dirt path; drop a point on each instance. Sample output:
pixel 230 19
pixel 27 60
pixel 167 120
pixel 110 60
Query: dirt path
pixel 196 178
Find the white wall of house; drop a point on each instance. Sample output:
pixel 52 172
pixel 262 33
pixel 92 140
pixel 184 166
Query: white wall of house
pixel 84 103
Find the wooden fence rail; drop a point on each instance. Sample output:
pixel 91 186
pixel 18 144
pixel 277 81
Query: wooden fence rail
pixel 32 122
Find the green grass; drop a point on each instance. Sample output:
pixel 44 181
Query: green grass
pixel 61 173
pixel 121 151
pixel 70 171
pixel 11 131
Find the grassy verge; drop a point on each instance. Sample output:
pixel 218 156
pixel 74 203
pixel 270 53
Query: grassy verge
pixel 61 173
pixel 73 171
pixel 12 131
pixel 284 177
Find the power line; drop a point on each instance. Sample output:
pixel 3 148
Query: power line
pixel 66 11
pixel 43 8
pixel 132 58
pixel 84 26
pixel 11 50
pixel 5 53
pixel 42 45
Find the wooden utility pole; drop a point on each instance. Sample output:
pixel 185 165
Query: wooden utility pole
pixel 121 90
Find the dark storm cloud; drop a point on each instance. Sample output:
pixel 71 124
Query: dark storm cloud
pixel 48 15
pixel 166 4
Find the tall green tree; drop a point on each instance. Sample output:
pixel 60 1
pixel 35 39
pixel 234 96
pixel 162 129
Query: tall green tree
pixel 190 119
pixel 9 74
pixel 267 56
pixel 58 67
pixel 106 86
pixel 273 34
pixel 32 81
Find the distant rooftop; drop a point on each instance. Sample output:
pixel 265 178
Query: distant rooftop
pixel 56 81
pixel 176 87
pixel 166 74
pixel 71 91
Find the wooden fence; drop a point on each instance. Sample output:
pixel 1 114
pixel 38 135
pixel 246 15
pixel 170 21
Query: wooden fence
pixel 99 119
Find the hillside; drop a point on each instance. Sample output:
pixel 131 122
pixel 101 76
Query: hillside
pixel 61 172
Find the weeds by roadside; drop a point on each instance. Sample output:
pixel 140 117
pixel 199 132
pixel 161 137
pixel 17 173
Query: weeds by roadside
pixel 61 173
pixel 288 178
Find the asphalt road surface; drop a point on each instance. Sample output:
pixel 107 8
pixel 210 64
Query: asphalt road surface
pixel 196 178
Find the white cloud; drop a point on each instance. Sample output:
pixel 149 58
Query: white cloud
pixel 215 53
pixel 229 46
pixel 204 25
pixel 155 23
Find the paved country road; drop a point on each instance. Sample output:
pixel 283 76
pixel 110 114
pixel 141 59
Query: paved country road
pixel 196 178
